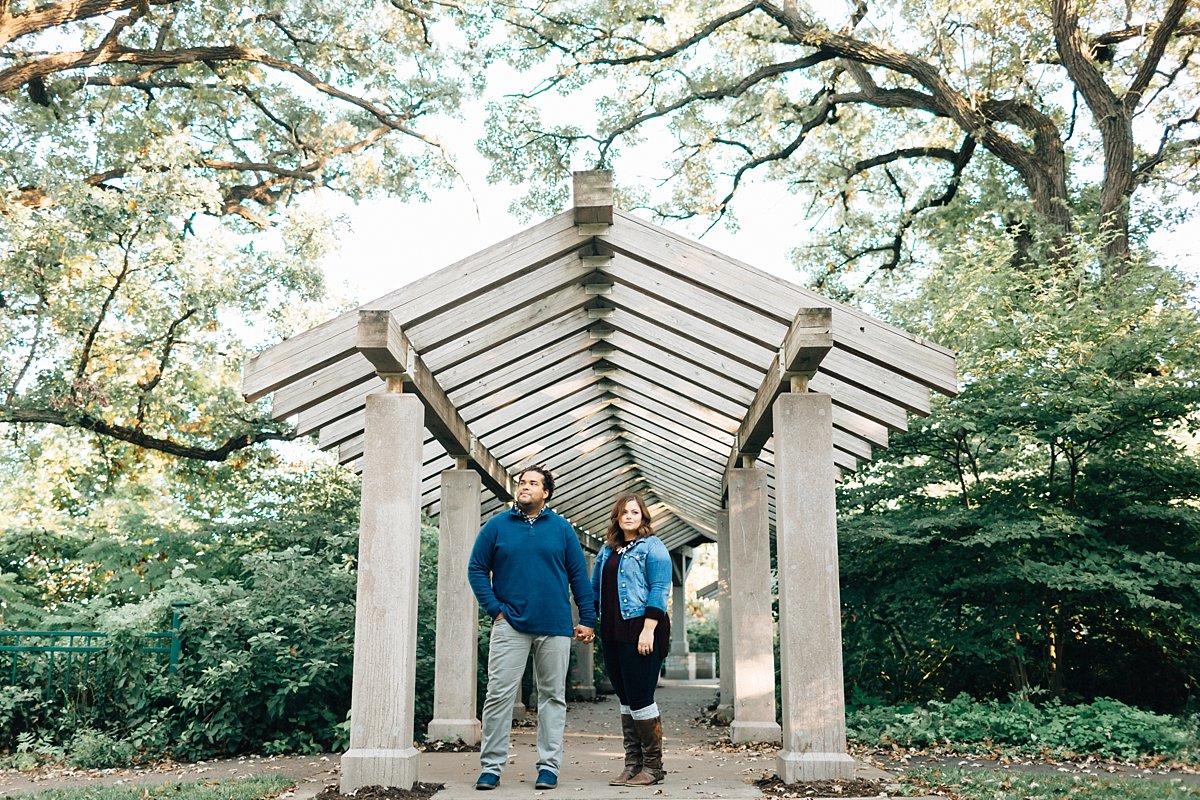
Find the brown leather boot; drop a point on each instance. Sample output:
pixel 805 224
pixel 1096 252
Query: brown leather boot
pixel 633 752
pixel 650 735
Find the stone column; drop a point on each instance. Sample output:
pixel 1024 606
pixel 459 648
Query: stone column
pixel 810 624
pixel 385 620
pixel 680 664
pixel 752 625
pixel 725 618
pixel 583 677
pixel 457 654
pixel 679 640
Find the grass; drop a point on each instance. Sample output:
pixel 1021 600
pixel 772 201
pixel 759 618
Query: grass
pixel 980 785
pixel 256 788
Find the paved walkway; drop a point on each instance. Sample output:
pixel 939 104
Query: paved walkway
pixel 696 766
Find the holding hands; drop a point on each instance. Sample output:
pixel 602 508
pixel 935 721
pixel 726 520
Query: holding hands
pixel 584 633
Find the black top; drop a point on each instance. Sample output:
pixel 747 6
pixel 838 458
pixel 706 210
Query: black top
pixel 615 629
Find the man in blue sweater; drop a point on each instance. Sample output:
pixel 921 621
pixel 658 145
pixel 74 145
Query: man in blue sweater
pixel 522 564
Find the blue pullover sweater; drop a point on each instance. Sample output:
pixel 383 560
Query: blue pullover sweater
pixel 525 569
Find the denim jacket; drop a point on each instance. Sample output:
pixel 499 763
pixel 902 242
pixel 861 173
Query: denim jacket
pixel 643 577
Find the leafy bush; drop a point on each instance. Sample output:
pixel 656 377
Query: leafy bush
pixel 251 787
pixel 1013 785
pixel 1105 727
pixel 267 665
pixel 704 635
pixel 92 749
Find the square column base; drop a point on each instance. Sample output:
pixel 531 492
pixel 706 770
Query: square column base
pixel 681 667
pixel 378 767
pixel 766 732
pixel 583 692
pixel 793 767
pixel 470 731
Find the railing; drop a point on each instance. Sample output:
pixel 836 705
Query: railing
pixel 72 653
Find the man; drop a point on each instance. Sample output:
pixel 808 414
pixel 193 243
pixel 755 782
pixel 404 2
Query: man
pixel 523 561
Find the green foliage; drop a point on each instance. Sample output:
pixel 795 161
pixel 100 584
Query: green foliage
pixel 704 635
pixel 266 665
pixel 150 229
pixel 264 560
pixel 1013 785
pixel 258 787
pixel 91 749
pixel 1106 728
pixel 878 117
pixel 1042 528
pixel 121 542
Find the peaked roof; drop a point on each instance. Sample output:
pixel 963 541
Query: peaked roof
pixel 622 356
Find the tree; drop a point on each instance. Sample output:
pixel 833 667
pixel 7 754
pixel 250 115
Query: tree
pixel 1067 119
pixel 1043 528
pixel 154 155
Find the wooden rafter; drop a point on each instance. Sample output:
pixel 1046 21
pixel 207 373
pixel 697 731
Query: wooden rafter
pixel 614 350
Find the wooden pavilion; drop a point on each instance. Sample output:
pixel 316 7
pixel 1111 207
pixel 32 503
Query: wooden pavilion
pixel 623 357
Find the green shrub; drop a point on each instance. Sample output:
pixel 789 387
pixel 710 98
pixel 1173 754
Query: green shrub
pixel 254 787
pixel 704 635
pixel 1013 785
pixel 266 666
pixel 93 749
pixel 1105 727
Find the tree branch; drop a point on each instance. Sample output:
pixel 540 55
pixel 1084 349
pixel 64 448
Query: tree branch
pixel 163 359
pixel 33 346
pixel 737 90
pixel 132 436
pixel 46 17
pixel 112 53
pixel 86 353
pixel 1158 46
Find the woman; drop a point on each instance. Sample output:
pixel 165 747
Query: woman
pixel 631 582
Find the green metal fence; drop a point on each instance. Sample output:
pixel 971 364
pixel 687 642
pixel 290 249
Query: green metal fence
pixel 69 656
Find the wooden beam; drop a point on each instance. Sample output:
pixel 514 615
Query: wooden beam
pixel 560 434
pixel 593 197
pixel 322 346
pixel 808 339
pixel 526 445
pixel 899 351
pixel 381 341
pixel 336 408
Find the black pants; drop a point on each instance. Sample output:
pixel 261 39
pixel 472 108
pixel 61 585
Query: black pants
pixel 633 676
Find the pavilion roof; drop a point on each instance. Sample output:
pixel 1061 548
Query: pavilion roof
pixel 621 355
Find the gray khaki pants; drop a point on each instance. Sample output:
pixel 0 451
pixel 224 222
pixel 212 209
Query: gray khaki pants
pixel 507 654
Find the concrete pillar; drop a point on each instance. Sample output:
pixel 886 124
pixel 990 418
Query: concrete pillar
pixel 457 654
pixel 519 709
pixel 725 618
pixel 385 620
pixel 679 641
pixel 752 625
pixel 680 664
pixel 810 623
pixel 583 675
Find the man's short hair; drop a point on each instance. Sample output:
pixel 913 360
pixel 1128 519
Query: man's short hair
pixel 547 478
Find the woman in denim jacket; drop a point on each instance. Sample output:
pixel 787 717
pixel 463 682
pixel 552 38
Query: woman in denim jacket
pixel 631 583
